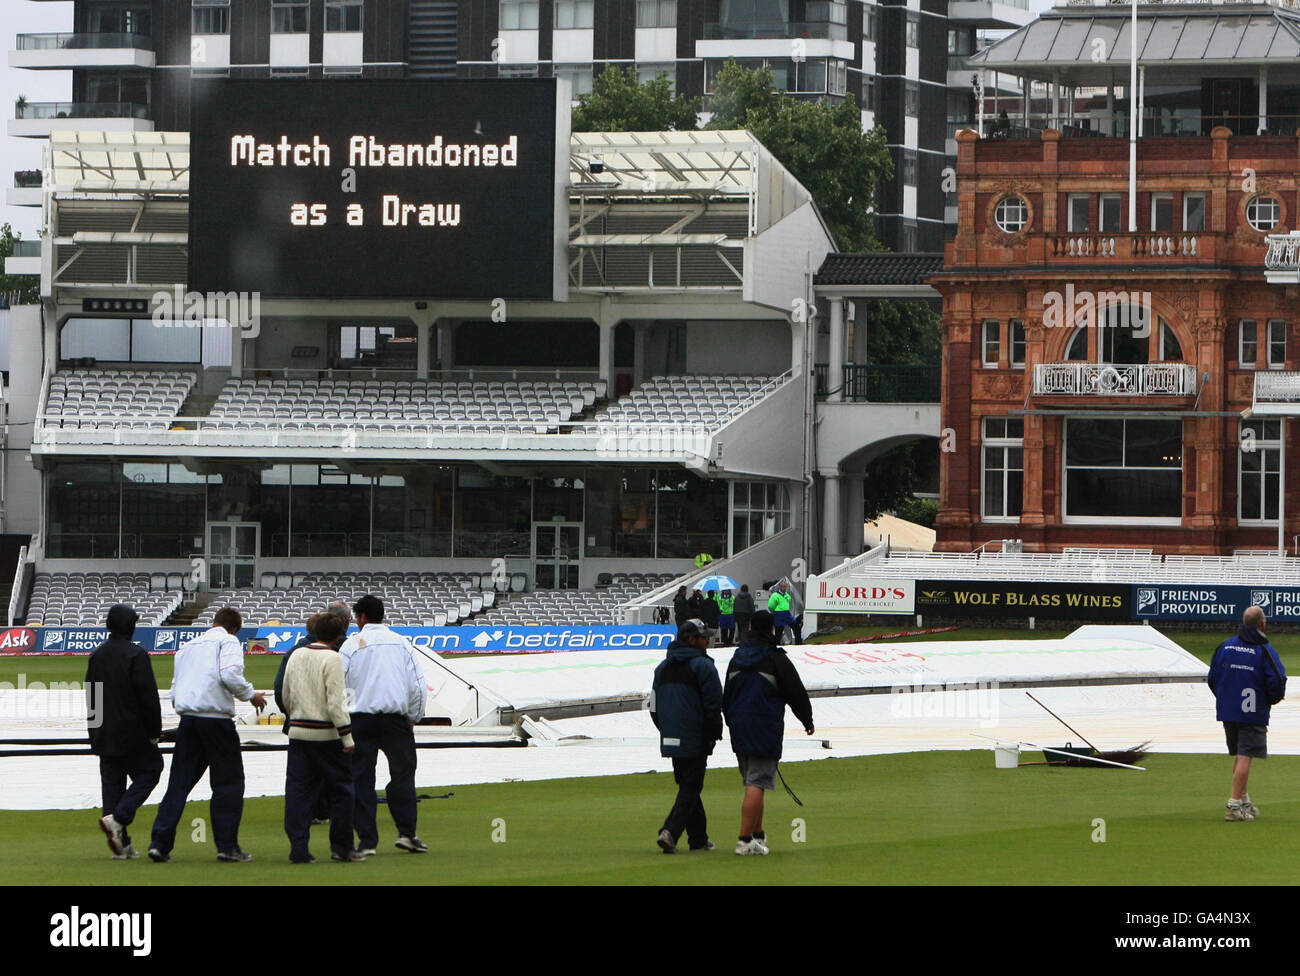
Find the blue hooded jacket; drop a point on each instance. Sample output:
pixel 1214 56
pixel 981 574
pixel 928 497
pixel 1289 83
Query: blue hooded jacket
pixel 686 702
pixel 761 681
pixel 1246 677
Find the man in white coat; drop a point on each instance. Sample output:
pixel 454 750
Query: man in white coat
pixel 208 677
pixel 388 693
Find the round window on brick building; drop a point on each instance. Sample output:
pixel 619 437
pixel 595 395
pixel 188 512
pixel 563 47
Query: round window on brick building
pixel 1263 212
pixel 1011 214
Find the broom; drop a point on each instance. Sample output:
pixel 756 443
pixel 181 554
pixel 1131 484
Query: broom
pixel 1127 757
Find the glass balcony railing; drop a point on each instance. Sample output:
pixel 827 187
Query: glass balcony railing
pixel 957 62
pixel 67 42
pixel 779 29
pixel 1153 127
pixel 81 110
pixel 26 249
pixel 27 178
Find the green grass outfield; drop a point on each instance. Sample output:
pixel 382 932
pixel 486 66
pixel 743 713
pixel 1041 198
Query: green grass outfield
pixel 916 819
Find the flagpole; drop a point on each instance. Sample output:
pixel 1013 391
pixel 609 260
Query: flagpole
pixel 1132 123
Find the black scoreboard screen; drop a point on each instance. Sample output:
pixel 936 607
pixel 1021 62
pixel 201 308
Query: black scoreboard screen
pixel 377 189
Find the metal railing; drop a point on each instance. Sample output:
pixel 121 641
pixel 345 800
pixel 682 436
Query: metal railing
pixel 16 592
pixel 81 110
pixel 1191 124
pixel 1283 252
pixel 774 30
pixel 884 384
pixel 62 42
pixel 1114 379
pixel 1277 386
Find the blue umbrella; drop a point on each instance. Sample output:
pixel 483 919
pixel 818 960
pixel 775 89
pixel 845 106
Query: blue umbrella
pixel 716 583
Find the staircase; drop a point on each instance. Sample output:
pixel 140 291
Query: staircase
pixel 9 547
pixel 183 616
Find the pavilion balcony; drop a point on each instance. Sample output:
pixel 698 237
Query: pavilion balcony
pixel 1158 247
pixel 1114 380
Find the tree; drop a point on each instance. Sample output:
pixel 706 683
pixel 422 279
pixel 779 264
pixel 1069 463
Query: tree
pixel 16 289
pixel 618 103
pixel 822 145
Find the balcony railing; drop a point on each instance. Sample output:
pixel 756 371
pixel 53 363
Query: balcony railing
pixel 1153 126
pixel 81 110
pixel 1156 244
pixel 775 30
pixel 64 42
pixel 1283 252
pixel 884 384
pixel 1114 379
pixel 27 178
pixel 26 249
pixel 1277 386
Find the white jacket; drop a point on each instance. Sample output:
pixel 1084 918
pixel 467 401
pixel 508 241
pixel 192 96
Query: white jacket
pixel 209 676
pixel 382 674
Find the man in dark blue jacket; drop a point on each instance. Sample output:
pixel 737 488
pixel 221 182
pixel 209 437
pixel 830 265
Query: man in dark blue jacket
pixel 761 681
pixel 686 707
pixel 1247 678
pixel 125 718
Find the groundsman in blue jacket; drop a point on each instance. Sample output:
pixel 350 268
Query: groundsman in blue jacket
pixel 1247 679
pixel 761 682
pixel 686 707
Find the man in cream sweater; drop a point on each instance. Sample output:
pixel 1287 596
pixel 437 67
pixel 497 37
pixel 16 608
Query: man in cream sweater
pixel 320 742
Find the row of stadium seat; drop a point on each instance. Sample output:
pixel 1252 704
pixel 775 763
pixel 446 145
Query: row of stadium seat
pixel 83 599
pixel 95 397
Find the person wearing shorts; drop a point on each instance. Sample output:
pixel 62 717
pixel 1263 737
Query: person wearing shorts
pixel 1247 679
pixel 761 681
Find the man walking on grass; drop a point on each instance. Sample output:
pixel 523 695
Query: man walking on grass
pixel 388 698
pixel 686 707
pixel 125 725
pixel 761 681
pixel 1247 679
pixel 209 676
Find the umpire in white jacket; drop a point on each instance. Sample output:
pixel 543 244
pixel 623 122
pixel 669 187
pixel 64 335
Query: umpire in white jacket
pixel 388 692
pixel 209 676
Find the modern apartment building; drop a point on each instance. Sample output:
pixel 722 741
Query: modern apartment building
pixel 132 61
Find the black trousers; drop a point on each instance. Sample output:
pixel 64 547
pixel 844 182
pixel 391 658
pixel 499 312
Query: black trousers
pixel 391 734
pixel 143 768
pixel 316 773
pixel 204 745
pixel 687 815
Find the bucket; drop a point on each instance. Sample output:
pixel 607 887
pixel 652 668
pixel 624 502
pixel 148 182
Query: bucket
pixel 1006 755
